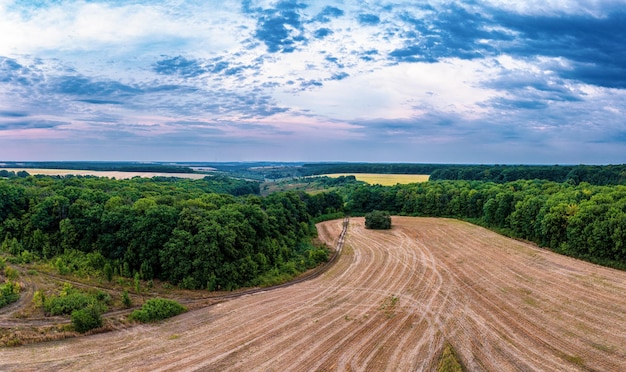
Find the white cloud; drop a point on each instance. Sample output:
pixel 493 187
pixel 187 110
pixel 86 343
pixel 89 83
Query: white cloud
pixel 80 26
pixel 399 91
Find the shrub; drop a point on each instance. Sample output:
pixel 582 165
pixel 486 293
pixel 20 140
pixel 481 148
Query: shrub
pixel 9 293
pixel 157 309
pixel 378 220
pixel 10 273
pixel 86 319
pixel 126 301
pixel 103 297
pixel 63 305
pixel 108 272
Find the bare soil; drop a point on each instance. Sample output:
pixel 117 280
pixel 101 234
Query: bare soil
pixel 389 303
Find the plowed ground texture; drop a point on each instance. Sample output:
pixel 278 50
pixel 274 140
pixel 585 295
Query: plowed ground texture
pixel 390 303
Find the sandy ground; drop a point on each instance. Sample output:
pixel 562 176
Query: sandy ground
pixel 389 304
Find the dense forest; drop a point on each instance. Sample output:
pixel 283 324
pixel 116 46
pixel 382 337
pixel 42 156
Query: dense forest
pixel 593 174
pixel 215 233
pixel 583 220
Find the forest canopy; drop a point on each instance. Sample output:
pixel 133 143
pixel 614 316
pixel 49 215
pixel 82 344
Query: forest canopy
pixel 214 233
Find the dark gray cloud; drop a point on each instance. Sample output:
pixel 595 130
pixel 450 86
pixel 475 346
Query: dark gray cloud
pixel 281 28
pixel 339 76
pixel 77 85
pixel 13 114
pixel 321 33
pixel 29 124
pixel 181 66
pixel 16 74
pixel 450 32
pixel 327 13
pixel 594 44
pixel 368 19
pixel 99 101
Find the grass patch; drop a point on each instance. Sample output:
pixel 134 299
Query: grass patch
pixel 448 361
pixel 389 305
pixel 575 359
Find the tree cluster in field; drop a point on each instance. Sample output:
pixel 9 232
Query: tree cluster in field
pixel 583 220
pixel 379 220
pixel 176 230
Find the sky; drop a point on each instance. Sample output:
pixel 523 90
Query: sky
pixel 479 81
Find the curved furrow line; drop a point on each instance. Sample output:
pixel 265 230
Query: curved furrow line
pixel 593 320
pixel 365 277
pixel 339 336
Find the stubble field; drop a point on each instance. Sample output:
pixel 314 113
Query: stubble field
pixel 389 303
pixel 384 179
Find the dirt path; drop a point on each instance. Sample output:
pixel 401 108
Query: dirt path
pixel 389 303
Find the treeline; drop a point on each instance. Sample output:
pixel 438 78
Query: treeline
pixel 584 220
pixel 12 174
pixel 381 168
pixel 103 166
pixel 575 174
pixel 593 174
pixel 177 230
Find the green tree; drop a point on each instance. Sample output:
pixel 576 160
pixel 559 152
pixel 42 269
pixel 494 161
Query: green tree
pixel 378 220
pixel 108 272
pixel 126 300
pixel 86 319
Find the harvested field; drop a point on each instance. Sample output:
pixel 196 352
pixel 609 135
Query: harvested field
pixel 384 179
pixel 389 303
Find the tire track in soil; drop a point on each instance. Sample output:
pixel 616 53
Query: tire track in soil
pixel 503 304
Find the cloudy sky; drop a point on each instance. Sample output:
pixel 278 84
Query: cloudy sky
pixel 479 81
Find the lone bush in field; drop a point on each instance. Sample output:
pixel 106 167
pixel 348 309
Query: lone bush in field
pixel 157 309
pixel 378 220
pixel 86 319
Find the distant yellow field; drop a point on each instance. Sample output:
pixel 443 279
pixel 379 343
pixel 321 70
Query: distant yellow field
pixel 110 174
pixel 384 179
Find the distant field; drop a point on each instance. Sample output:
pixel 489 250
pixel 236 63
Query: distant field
pixel 110 174
pixel 384 179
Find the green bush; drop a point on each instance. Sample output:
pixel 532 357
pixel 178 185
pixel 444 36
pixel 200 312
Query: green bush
pixel 126 300
pixel 64 305
pixel 87 318
pixel 157 309
pixel 377 220
pixel 71 299
pixel 9 293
